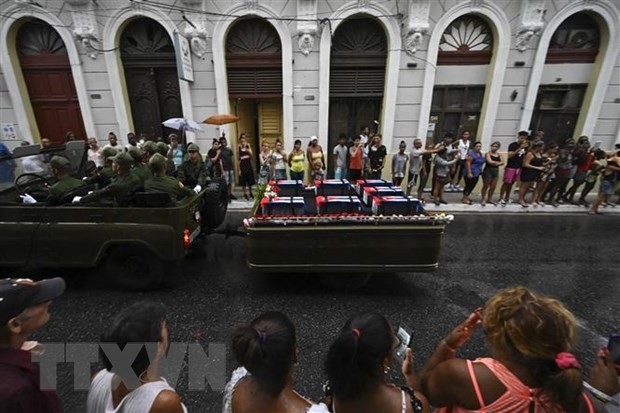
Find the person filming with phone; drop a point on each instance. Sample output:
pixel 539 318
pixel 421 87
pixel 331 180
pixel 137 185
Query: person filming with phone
pixel 532 367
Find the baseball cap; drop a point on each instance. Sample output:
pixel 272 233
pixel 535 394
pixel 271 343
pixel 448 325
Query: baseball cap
pixel 16 296
pixel 122 158
pixel 193 148
pixel 313 138
pixel 60 162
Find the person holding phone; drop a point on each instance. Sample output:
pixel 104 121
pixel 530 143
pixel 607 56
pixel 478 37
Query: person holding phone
pixel 605 375
pixel 532 339
pixel 357 367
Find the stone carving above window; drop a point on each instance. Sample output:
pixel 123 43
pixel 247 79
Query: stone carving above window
pixel 532 22
pixel 307 27
pixel 417 24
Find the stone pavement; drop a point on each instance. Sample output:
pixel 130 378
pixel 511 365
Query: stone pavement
pixel 455 205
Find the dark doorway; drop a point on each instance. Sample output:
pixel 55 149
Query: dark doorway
pixel 556 111
pixel 357 78
pixel 455 109
pixel 151 75
pixel 47 73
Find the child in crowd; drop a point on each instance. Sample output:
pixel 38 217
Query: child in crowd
pixel 318 174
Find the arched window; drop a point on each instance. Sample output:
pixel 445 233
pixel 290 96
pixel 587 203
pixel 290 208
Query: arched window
pixel 577 40
pixel 468 40
pixel 254 60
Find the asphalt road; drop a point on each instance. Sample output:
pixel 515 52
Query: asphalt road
pixel 573 258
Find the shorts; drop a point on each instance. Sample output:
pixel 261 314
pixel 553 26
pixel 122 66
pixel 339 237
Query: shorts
pixel 490 174
pixel 511 175
pixel 579 176
pixel 442 180
pixel 412 179
pixel 229 177
pixel 607 187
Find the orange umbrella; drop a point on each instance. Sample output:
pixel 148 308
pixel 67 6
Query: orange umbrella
pixel 220 119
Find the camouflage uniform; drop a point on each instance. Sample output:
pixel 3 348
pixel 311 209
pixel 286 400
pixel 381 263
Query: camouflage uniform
pixel 192 173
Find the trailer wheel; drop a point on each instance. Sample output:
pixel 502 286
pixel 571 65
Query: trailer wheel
pixel 135 267
pixel 215 204
pixel 344 281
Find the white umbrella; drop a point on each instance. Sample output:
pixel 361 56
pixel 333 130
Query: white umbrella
pixel 182 124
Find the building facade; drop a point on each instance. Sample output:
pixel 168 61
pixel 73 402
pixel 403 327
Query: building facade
pixel 297 68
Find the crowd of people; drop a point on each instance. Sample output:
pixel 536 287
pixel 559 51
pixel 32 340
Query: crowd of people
pixel 532 365
pixel 543 169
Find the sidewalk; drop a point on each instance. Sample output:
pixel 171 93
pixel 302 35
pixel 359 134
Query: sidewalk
pixel 455 206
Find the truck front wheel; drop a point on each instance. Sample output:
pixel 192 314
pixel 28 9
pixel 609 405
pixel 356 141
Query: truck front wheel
pixel 134 267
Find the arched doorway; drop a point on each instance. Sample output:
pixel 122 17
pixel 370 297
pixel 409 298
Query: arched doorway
pixel 561 92
pixel 458 94
pixel 149 62
pixel 254 72
pixel 357 78
pixel 47 74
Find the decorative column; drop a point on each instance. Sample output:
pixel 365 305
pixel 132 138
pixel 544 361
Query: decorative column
pixel 532 23
pixel 195 28
pixel 307 27
pixel 417 24
pixel 85 26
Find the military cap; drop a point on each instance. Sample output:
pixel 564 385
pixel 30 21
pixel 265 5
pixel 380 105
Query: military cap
pixel 162 147
pixel 60 162
pixel 193 148
pixel 136 154
pixel 150 147
pixel 157 161
pixel 122 158
pixel 109 152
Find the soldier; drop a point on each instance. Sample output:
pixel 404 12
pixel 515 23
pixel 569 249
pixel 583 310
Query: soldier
pixel 123 185
pixel 162 183
pixel 150 148
pixel 193 172
pixel 65 184
pixel 162 148
pixel 139 168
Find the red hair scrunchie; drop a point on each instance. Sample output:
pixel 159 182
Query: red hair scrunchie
pixel 566 360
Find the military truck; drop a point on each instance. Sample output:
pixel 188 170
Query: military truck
pixel 135 245
pixel 344 246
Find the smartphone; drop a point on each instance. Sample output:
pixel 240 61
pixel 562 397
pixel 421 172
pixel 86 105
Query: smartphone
pixel 613 345
pixel 403 334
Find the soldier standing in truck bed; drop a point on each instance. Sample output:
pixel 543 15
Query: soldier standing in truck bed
pixel 160 182
pixel 193 171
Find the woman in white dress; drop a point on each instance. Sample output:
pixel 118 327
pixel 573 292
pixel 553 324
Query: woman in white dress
pixel 267 352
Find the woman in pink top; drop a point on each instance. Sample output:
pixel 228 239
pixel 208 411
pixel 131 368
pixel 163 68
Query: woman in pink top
pixel 532 368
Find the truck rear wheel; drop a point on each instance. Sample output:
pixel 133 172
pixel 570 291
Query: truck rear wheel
pixel 135 268
pixel 215 204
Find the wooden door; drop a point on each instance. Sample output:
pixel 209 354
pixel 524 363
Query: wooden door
pixel 47 74
pixel 142 91
pixel 270 121
pixel 151 75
